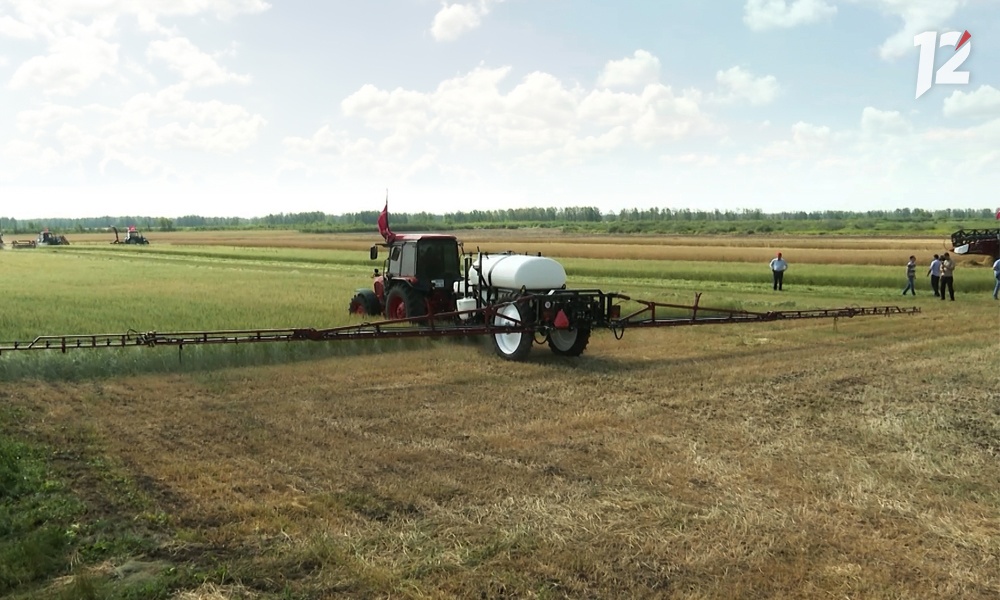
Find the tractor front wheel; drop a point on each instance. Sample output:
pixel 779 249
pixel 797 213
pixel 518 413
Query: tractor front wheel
pixel 364 304
pixel 569 342
pixel 404 302
pixel 514 345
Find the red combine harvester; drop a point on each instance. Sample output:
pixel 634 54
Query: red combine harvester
pixel 429 288
pixel 977 241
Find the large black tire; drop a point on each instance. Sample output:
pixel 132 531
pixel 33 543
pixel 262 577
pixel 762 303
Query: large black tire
pixel 364 304
pixel 513 345
pixel 404 302
pixel 569 342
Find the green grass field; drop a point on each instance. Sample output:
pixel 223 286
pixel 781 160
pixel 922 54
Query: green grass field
pixel 801 459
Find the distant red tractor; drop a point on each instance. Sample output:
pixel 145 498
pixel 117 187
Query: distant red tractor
pixel 418 278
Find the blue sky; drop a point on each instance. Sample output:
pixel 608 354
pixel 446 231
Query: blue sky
pixel 247 107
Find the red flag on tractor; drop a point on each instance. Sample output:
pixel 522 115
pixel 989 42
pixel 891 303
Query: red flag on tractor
pixel 383 224
pixel 998 214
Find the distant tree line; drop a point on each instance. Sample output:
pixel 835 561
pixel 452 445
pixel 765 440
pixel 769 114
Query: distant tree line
pixel 899 214
pixel 573 217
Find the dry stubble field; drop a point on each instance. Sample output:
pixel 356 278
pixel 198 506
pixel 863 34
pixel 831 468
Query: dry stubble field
pixel 808 459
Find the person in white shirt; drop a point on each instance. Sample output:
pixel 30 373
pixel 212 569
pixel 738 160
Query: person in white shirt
pixel 935 273
pixel 947 276
pixel 996 274
pixel 778 268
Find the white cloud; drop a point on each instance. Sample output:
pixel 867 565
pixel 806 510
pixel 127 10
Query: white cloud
pixel 193 65
pixel 141 133
pixel 761 15
pixel 11 27
pixel 917 16
pixel 42 118
pixel 29 155
pixel 454 20
pixel 880 122
pixel 738 84
pixel 642 69
pixel 691 160
pixel 983 102
pixel 41 15
pixel 73 64
pixel 81 40
pixel 806 141
pixel 809 135
pixel 886 158
pixel 540 121
pixel 174 121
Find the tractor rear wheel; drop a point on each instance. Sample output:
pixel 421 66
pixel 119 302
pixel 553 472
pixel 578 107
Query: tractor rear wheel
pixel 364 304
pixel 514 345
pixel 404 302
pixel 569 342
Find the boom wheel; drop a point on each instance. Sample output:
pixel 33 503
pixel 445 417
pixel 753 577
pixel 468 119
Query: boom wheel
pixel 569 342
pixel 404 302
pixel 513 345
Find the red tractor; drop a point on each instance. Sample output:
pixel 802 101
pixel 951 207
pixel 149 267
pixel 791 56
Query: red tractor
pixel 418 278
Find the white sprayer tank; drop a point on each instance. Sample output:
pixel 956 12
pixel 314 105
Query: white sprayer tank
pixel 514 271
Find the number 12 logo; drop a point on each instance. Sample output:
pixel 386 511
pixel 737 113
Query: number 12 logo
pixel 947 73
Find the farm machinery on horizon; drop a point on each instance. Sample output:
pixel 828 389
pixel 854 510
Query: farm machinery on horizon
pixel 45 238
pixel 430 288
pixel 132 237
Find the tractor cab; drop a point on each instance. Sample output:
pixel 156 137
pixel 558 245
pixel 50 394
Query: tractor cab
pixel 47 238
pixel 132 236
pixel 426 261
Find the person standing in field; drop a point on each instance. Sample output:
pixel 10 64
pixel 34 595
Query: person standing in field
pixel 947 275
pixel 778 268
pixel 996 275
pixel 911 275
pixel 935 273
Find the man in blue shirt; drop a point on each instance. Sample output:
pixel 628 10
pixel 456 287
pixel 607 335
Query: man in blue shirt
pixel 935 273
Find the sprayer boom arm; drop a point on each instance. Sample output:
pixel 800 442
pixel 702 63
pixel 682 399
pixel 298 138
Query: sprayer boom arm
pixel 451 324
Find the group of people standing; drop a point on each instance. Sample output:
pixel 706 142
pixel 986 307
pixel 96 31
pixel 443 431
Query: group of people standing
pixel 941 272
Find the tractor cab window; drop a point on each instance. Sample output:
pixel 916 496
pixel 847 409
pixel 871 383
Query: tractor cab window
pixel 437 259
pixel 402 259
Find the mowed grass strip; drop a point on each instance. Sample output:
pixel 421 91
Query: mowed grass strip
pixel 759 461
pixel 863 250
